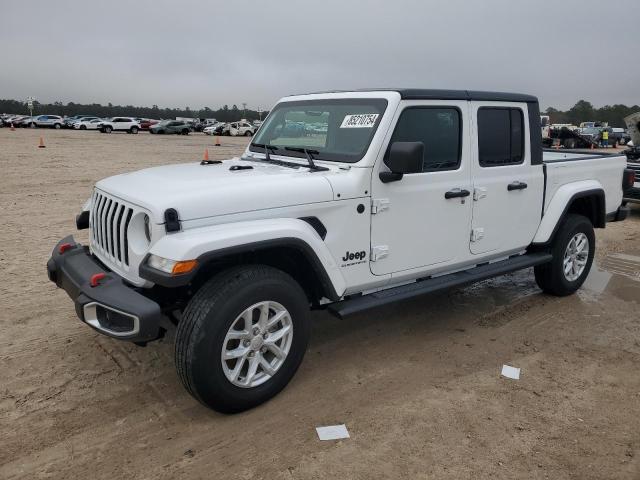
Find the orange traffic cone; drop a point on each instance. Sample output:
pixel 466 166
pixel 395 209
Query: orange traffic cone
pixel 217 144
pixel 41 143
pixel 205 158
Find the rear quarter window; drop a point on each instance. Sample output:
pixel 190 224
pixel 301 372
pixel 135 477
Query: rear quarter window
pixel 500 136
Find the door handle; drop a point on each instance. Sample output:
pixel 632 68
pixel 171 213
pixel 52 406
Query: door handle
pixel 516 186
pixel 457 193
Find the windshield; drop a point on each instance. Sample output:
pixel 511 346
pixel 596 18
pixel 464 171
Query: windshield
pixel 339 130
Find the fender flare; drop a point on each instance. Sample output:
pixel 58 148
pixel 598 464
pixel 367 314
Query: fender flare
pixel 559 206
pixel 208 244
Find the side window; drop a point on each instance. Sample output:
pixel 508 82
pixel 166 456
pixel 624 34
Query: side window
pixel 439 128
pixel 500 136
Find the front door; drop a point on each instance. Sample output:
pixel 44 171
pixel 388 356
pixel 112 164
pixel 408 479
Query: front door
pixel 423 220
pixel 508 189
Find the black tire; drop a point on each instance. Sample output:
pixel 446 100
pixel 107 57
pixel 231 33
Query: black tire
pixel 83 127
pixel 134 130
pixel 206 320
pixel 550 277
pixel 57 126
pixel 107 129
pixel 185 131
pixel 248 133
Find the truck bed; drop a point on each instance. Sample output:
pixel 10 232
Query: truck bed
pixel 605 169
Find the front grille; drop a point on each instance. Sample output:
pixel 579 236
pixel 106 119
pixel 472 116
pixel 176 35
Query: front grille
pixel 632 194
pixel 109 220
pixel 636 168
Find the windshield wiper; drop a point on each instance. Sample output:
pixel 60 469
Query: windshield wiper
pixel 309 154
pixel 267 156
pixel 266 148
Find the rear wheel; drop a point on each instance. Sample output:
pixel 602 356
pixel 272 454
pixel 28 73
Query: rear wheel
pixel 83 127
pixel 185 131
pixel 107 129
pixel 134 130
pixel 242 337
pixel 57 126
pixel 573 248
pixel 247 133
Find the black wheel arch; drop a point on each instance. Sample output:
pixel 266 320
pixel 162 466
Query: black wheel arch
pixel 291 255
pixel 588 203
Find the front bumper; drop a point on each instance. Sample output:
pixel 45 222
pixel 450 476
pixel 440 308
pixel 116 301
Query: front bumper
pixel 112 307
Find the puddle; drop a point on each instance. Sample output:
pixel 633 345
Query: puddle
pixel 598 280
pixel 617 275
pixel 623 264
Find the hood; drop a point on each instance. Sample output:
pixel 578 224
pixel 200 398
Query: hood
pixel 200 191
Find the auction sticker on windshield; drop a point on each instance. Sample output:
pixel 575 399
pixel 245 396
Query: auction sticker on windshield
pixel 362 120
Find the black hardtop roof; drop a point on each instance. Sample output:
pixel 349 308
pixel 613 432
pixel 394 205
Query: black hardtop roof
pixel 435 94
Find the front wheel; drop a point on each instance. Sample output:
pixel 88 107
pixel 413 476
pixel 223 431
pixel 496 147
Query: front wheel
pixel 134 130
pixel 83 127
pixel 57 126
pixel 248 133
pixel 572 248
pixel 107 129
pixel 242 337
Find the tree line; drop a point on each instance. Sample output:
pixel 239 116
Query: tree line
pixel 224 114
pixel 584 111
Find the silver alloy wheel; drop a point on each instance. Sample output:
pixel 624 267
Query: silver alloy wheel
pixel 575 257
pixel 257 344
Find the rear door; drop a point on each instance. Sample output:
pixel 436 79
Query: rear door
pixel 507 188
pixel 422 221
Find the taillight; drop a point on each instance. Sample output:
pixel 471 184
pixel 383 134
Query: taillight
pixel 628 179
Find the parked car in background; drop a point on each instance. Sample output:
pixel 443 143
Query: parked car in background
pixel 171 126
pixel 621 136
pixel 24 122
pixel 214 129
pixel 69 121
pixel 82 119
pixel 146 123
pixel 119 124
pixel 242 128
pixel 52 121
pixel 88 124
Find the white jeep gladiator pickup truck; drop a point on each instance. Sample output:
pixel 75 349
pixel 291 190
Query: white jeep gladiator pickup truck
pixel 387 195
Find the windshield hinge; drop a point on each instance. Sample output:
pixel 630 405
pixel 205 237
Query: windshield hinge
pixel 379 204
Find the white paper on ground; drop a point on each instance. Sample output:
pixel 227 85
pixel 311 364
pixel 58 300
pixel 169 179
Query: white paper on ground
pixel 332 432
pixel 511 372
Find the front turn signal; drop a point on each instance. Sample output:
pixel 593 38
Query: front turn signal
pixel 184 266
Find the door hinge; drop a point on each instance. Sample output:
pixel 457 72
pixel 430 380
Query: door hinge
pixel 477 234
pixel 379 204
pixel 479 192
pixel 379 252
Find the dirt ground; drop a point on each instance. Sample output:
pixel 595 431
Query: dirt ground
pixel 417 384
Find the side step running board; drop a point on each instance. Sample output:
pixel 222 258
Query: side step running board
pixel 429 285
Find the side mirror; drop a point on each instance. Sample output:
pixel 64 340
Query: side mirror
pixel 404 157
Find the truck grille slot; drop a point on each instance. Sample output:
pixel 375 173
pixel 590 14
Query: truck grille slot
pixel 109 223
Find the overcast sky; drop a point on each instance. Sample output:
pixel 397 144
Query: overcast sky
pixel 211 53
